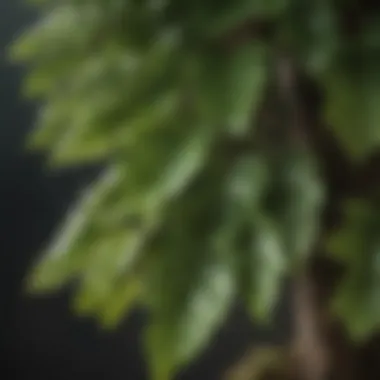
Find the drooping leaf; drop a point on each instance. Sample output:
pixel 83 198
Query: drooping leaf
pixel 232 88
pixel 357 245
pixel 190 308
pixel 121 300
pixel 237 14
pixel 352 107
pixel 111 258
pixel 184 166
pixel 66 254
pixel 313 28
pixel 260 254
pixel 65 32
pixel 87 140
pixel 295 201
pixel 266 265
pixel 249 71
pixel 247 184
pixel 191 283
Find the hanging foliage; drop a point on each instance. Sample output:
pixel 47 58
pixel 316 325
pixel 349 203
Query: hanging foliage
pixel 211 188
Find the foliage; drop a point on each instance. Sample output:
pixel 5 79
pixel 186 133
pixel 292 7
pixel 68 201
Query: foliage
pixel 211 188
pixel 357 245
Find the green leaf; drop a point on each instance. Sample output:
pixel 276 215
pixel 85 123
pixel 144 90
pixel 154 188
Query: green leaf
pixel 184 166
pixel 189 286
pixel 313 27
pixel 265 267
pixel 85 140
pixel 119 254
pixel 106 70
pixel 236 14
pixel 51 123
pixel 120 301
pixel 247 183
pixel 248 76
pixel 108 101
pixel 65 32
pixel 113 256
pixel 232 88
pixel 67 253
pixel 295 201
pixel 352 108
pixel 81 152
pixel 370 37
pixel 357 245
pixel 89 92
pixel 188 316
pixel 261 256
pixel 159 114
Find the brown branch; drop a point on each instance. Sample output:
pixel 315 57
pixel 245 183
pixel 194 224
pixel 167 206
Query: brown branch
pixel 310 347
